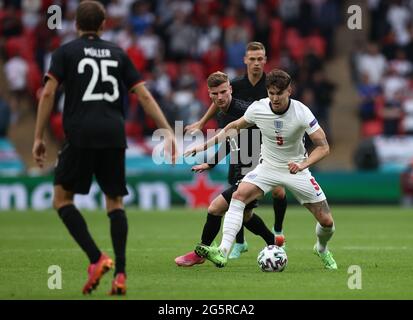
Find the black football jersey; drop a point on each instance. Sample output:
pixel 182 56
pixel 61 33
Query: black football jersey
pixel 95 75
pixel 245 148
pixel 243 89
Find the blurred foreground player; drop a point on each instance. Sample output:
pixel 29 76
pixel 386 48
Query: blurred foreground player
pixel 94 73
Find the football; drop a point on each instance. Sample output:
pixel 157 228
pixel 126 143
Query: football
pixel 272 259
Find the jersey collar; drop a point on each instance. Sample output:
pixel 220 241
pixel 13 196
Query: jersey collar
pixel 89 35
pixel 280 113
pixel 262 79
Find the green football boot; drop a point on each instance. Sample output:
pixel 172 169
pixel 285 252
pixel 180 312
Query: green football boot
pixel 327 258
pixel 212 253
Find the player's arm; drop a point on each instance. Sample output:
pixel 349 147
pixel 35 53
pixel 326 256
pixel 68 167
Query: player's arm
pixel 230 131
pixel 321 150
pixel 44 109
pixel 222 152
pixel 191 128
pixel 152 109
pixel 150 106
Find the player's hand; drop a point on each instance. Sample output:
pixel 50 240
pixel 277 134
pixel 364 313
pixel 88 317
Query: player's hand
pixel 39 152
pixel 193 151
pixel 201 167
pixel 191 128
pixel 170 146
pixel 295 167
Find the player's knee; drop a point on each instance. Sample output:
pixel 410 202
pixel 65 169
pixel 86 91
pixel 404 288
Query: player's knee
pixel 278 193
pixel 113 203
pixel 60 201
pixel 326 221
pixel 239 195
pixel 215 209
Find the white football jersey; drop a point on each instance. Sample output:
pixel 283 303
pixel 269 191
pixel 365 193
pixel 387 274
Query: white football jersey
pixel 282 134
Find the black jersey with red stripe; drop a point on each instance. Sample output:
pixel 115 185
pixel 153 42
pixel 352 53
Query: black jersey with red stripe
pixel 95 75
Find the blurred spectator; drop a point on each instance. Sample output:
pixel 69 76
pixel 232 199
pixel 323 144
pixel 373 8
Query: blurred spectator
pixel 368 93
pixel 208 34
pixel 4 117
pixel 182 37
pixel 141 17
pixel 407 121
pixel 151 46
pixel 289 11
pixel 189 108
pixel 373 63
pixel 393 84
pixel 400 64
pixel 10 22
pixel 327 17
pixel 16 72
pixel 399 17
pixel 213 59
pixel 31 16
pixel 392 114
pixel 323 97
pixel 378 26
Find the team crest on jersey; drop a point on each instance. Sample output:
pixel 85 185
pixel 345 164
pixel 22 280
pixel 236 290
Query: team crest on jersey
pixel 278 125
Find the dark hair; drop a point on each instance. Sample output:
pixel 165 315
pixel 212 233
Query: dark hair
pixel 217 78
pixel 278 78
pixel 90 15
pixel 254 46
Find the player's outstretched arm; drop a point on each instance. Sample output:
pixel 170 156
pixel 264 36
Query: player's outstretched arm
pixel 231 130
pixel 321 150
pixel 43 114
pixel 151 108
pixel 191 128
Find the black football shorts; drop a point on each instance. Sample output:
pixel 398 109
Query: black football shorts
pixel 227 194
pixel 76 167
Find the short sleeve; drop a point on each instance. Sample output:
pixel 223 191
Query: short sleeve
pixel 249 114
pixel 310 122
pixel 130 75
pixel 57 64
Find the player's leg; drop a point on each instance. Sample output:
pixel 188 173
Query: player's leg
pixel 245 193
pixel 240 240
pixel 307 191
pixel 211 228
pixel 257 226
pixel 324 230
pixel 279 203
pixel 109 167
pixel 73 174
pixel 118 232
pixel 74 222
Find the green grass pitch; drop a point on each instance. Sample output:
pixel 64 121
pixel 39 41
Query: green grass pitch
pixel 377 239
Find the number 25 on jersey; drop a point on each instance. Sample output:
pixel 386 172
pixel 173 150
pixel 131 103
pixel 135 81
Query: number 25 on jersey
pixel 105 64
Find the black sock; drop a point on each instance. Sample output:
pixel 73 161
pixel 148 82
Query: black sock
pixel 119 233
pixel 77 227
pixel 211 229
pixel 258 227
pixel 240 236
pixel 279 205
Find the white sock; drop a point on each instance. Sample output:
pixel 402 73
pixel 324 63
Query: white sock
pixel 323 235
pixel 232 224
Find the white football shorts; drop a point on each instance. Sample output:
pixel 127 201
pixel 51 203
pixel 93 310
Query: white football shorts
pixel 302 184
